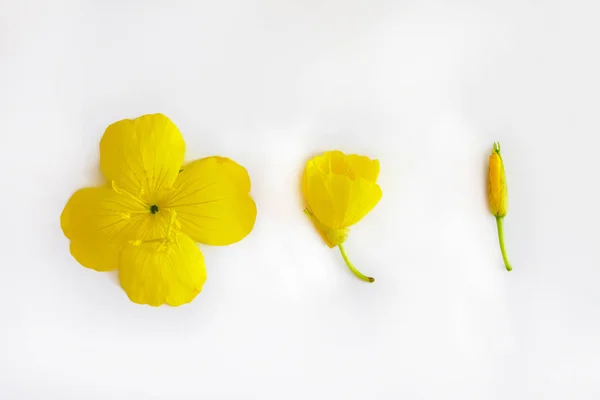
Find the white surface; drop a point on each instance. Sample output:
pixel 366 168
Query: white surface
pixel 424 86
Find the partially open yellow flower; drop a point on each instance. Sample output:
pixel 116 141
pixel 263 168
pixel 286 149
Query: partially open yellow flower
pixel 340 190
pixel 145 220
pixel 498 196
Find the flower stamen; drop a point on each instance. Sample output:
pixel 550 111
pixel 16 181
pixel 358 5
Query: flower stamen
pixel 171 223
pixel 165 240
pixel 118 190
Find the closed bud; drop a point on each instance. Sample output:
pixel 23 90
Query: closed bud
pixel 498 196
pixel 497 189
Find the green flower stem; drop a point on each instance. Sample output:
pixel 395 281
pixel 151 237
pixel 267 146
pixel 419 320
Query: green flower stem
pixel 352 268
pixel 500 224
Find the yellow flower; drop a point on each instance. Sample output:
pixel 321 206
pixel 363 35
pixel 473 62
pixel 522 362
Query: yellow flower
pixel 340 190
pixel 145 220
pixel 498 196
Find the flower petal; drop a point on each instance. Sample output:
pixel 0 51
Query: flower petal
pixel 337 201
pixel 364 167
pixel 97 254
pixel 364 195
pixel 99 222
pixel 332 162
pixel 143 154
pixel 212 201
pixel 98 210
pixel 162 272
pixel 354 166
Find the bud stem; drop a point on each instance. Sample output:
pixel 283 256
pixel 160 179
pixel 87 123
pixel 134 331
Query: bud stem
pixel 352 268
pixel 500 224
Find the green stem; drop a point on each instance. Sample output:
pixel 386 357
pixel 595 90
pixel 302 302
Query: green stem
pixel 500 224
pixel 352 268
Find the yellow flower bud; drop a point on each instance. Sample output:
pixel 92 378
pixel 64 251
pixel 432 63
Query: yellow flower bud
pixel 498 196
pixel 340 190
pixel 497 189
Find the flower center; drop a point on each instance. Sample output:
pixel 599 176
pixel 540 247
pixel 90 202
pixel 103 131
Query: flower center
pixel 153 208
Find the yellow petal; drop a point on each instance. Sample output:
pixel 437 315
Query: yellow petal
pixel 212 201
pixel 162 272
pixel 99 211
pixel 100 221
pixel 354 166
pixel 317 194
pixel 364 167
pixel 364 195
pixel 337 201
pixel 332 162
pixel 78 210
pixel 95 253
pixel 142 155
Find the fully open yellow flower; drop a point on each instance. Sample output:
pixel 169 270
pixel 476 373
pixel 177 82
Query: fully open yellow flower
pixel 145 220
pixel 340 190
pixel 498 196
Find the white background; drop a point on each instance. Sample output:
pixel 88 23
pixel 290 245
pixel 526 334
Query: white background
pixel 424 86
